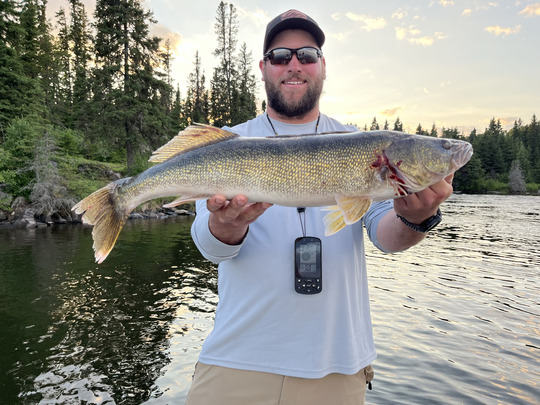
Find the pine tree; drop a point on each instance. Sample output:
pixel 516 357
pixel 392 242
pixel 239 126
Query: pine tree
pixel 223 83
pixel 20 94
pixel 244 103
pixel 420 130
pixel 125 78
pixel 398 126
pixel 63 91
pixel 433 131
pixel 374 125
pixel 80 39
pixel 533 144
pixel 196 104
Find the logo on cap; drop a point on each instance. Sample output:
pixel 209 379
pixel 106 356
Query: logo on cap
pixel 293 14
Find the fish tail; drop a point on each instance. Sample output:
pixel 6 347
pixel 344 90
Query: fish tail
pixel 103 210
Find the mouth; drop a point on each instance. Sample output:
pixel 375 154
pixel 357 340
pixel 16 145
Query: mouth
pixel 293 83
pixel 462 153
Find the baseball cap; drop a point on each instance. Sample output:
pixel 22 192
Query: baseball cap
pixel 292 19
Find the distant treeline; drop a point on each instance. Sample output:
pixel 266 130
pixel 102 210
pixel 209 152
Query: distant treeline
pixel 503 161
pixel 79 93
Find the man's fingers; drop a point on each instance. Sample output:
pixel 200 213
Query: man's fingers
pixel 216 202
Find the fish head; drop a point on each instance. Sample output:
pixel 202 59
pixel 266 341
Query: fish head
pixel 415 162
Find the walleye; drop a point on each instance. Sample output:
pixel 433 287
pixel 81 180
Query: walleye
pixel 346 171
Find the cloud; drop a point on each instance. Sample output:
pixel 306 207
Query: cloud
pixel 504 31
pixel 414 36
pixel 258 16
pixel 467 12
pixel 369 23
pixel 399 14
pixel 508 121
pixel 531 10
pixel 163 32
pixel 445 3
pixel 424 41
pixel 390 112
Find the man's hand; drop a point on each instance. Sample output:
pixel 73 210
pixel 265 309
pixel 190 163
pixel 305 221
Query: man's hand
pixel 229 220
pixel 418 207
pixel 393 234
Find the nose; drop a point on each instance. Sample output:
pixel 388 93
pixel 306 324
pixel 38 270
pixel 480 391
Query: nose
pixel 294 64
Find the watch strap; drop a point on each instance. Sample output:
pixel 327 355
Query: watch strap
pixel 425 226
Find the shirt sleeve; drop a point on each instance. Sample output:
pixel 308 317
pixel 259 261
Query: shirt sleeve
pixel 372 219
pixel 209 246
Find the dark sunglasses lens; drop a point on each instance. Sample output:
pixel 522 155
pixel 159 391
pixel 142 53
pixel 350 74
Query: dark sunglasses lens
pixel 282 56
pixel 307 55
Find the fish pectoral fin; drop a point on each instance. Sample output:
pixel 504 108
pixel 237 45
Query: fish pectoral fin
pixel 353 208
pixel 333 221
pixel 193 137
pixel 184 199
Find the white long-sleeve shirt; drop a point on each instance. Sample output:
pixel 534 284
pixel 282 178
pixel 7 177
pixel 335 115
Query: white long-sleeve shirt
pixel 261 322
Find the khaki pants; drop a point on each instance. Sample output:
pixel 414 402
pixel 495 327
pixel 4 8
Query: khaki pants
pixel 214 385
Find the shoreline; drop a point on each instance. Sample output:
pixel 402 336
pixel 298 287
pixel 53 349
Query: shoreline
pixel 28 219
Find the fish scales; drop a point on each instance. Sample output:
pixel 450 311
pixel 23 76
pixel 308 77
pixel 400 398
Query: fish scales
pixel 283 169
pixel 347 171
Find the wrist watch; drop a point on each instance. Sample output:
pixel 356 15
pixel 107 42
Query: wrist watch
pixel 425 226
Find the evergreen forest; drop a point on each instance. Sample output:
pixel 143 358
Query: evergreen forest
pixel 86 98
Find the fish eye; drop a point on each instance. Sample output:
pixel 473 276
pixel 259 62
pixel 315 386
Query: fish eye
pixel 446 144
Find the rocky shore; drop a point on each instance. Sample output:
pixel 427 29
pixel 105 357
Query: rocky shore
pixel 23 215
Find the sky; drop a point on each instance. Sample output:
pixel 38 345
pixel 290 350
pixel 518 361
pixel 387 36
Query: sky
pixel 452 63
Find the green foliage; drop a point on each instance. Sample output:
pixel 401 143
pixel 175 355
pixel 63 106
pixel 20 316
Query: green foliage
pixel 17 154
pixel 533 188
pixel 70 141
pixel 140 165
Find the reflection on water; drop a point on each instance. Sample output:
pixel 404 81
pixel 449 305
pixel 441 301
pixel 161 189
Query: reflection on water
pixel 74 332
pixel 456 319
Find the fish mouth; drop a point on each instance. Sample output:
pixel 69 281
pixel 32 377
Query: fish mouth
pixel 461 154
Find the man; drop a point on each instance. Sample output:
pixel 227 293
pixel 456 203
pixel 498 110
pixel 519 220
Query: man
pixel 271 344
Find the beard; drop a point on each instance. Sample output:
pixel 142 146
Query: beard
pixel 297 109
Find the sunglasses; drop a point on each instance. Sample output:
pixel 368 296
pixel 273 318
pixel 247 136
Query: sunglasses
pixel 282 56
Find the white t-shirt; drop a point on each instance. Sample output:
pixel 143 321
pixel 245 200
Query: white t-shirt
pixel 261 322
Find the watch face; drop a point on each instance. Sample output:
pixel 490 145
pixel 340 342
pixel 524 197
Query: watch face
pixel 432 222
pixel 425 226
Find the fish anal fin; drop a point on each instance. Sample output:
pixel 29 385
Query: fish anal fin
pixel 353 208
pixel 193 137
pixel 184 199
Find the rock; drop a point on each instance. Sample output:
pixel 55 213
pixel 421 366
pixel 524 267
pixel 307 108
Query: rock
pixel 26 220
pixel 184 212
pixel 136 215
pixel 18 207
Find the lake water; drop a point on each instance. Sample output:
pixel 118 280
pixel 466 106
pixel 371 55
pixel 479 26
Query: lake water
pixel 456 319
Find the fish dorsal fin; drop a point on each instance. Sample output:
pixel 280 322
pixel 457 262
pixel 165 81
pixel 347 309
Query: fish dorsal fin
pixel 193 137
